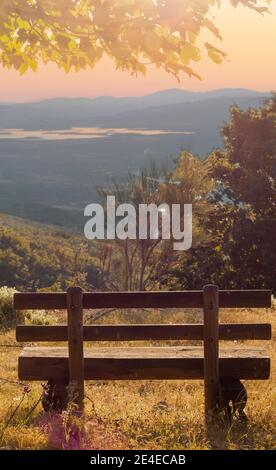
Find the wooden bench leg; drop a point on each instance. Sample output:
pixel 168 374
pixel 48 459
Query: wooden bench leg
pixel 233 398
pixel 55 395
pixel 211 351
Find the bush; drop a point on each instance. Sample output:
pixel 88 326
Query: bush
pixel 9 316
pixel 34 317
pixel 7 313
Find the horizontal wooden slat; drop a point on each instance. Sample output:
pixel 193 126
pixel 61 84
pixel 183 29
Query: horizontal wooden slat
pixel 189 299
pixel 143 332
pixel 177 299
pixel 40 301
pixel 242 331
pixel 143 363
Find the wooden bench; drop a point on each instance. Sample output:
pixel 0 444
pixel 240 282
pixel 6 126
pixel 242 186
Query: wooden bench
pixel 65 369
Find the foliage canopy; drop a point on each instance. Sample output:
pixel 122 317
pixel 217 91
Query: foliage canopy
pixel 135 33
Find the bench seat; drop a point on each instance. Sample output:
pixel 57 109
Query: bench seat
pixel 138 363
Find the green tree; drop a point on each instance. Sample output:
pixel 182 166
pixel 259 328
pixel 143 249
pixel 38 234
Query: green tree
pixel 143 264
pixel 134 33
pixel 247 166
pixel 193 184
pixel 240 252
pixel 130 264
pixel 246 181
pixel 242 224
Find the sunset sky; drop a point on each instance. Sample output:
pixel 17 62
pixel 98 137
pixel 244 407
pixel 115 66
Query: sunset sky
pixel 248 38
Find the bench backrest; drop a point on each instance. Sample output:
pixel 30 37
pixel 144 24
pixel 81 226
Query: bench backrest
pixel 129 332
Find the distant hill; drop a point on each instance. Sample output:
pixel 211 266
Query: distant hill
pixel 63 113
pixel 194 116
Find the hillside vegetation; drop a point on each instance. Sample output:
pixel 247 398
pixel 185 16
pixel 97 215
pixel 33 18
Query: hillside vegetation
pixel 37 257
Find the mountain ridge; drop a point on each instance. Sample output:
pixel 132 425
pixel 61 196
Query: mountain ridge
pixel 60 113
pixel 169 91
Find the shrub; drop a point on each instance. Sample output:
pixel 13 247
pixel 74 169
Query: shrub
pixel 7 312
pixel 9 316
pixel 35 317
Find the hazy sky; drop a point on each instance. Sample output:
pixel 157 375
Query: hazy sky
pixel 248 38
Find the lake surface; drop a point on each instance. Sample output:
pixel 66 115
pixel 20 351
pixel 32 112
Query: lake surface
pixel 83 133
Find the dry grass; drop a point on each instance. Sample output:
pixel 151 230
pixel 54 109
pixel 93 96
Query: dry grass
pixel 140 415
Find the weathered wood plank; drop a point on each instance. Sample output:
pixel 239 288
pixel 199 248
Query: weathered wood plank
pixel 40 300
pixel 141 332
pixel 176 299
pixel 170 299
pixel 245 298
pixel 143 363
pixel 170 352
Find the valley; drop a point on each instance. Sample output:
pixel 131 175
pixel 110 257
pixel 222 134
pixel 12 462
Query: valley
pixel 56 154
